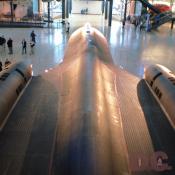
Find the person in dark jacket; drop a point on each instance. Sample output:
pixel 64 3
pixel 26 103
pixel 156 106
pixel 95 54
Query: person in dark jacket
pixel 10 45
pixel 33 35
pixel 24 46
pixel 4 41
pixel 0 66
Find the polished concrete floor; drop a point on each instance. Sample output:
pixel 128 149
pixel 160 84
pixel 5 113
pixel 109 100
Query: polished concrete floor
pixel 131 49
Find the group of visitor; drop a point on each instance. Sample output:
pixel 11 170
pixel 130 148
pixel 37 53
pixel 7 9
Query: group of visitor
pixel 23 43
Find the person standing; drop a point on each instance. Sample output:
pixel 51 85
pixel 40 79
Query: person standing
pixel 1 42
pixel 33 35
pixel 0 66
pixel 10 45
pixel 67 27
pixel 24 46
pixel 137 21
pixel 148 27
pixel 4 41
pixel 32 44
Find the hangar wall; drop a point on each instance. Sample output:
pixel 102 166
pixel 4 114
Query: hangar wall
pixel 21 8
pixel 94 7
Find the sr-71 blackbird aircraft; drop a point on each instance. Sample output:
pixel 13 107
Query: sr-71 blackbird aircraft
pixel 87 116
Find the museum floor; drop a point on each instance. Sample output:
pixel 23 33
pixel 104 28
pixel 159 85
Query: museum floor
pixel 131 49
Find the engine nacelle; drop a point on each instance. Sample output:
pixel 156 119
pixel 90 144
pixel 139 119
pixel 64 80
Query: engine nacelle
pixel 162 82
pixel 12 81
